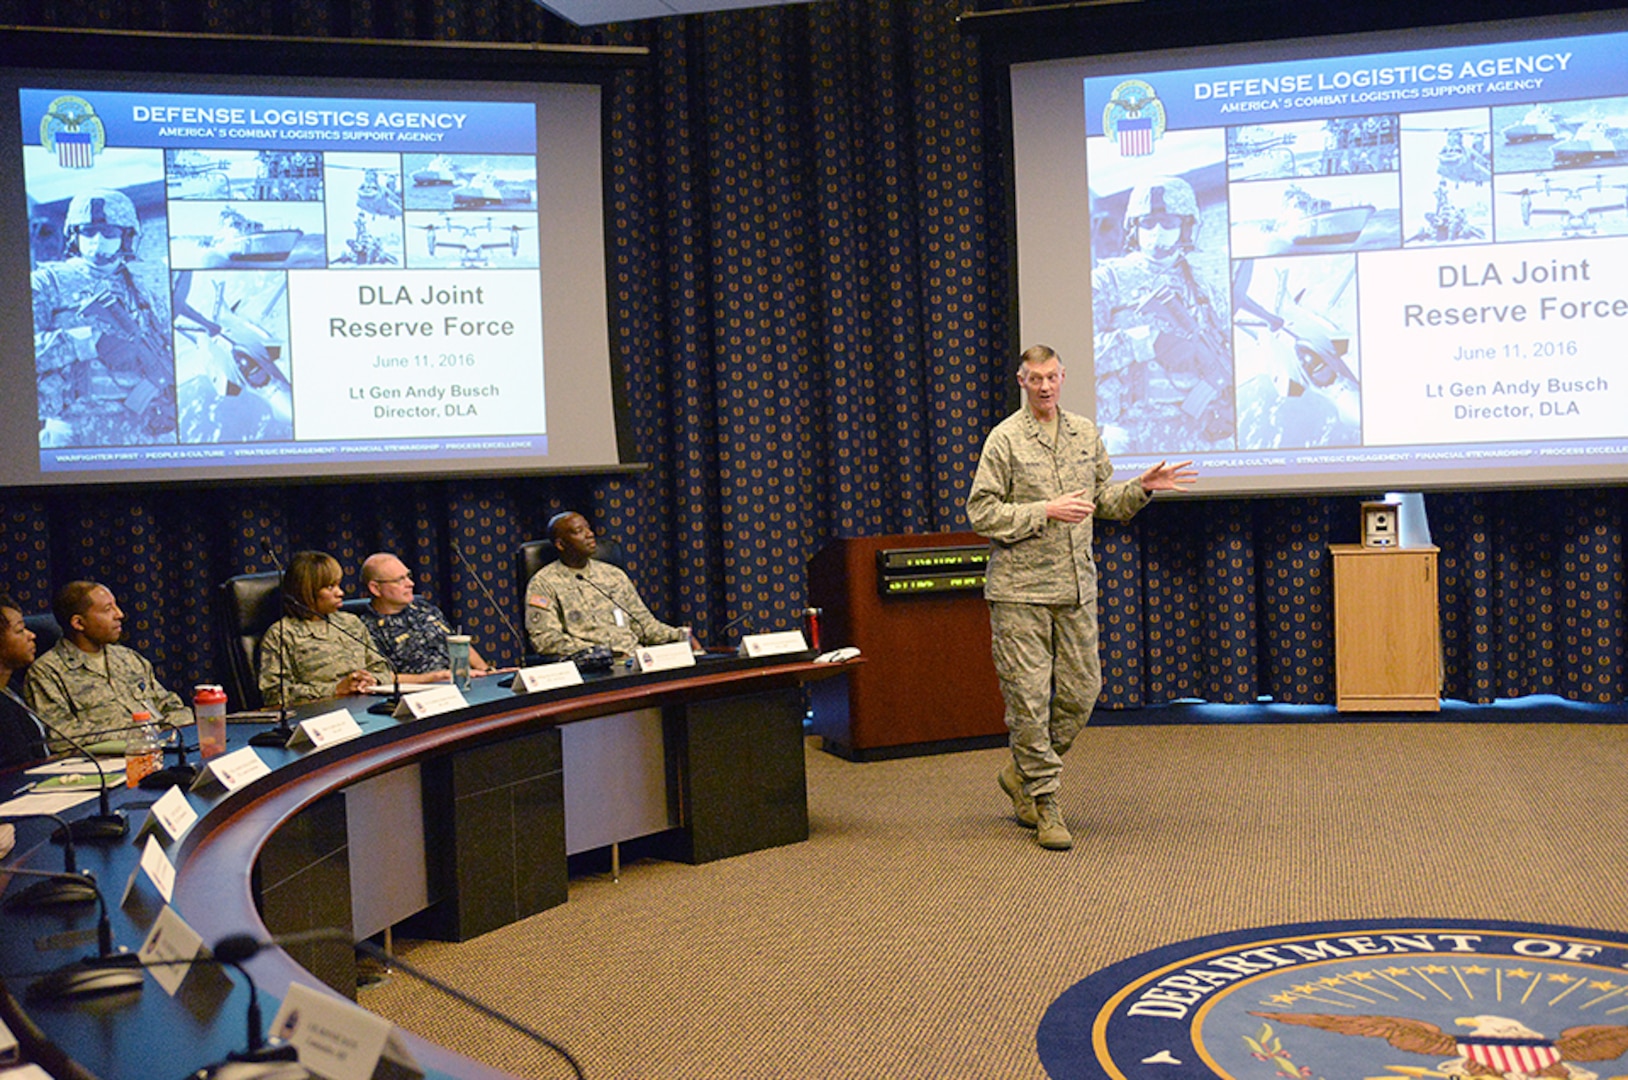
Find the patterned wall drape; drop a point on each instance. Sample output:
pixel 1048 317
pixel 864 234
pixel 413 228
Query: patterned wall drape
pixel 806 254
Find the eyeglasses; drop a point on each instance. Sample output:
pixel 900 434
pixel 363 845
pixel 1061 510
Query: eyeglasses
pixel 395 580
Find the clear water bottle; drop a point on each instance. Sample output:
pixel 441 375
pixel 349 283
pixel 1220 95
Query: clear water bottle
pixel 143 752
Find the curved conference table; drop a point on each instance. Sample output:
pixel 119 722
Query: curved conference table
pixel 275 856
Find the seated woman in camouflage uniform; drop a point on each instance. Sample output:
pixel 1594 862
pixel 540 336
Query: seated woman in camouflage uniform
pixel 316 650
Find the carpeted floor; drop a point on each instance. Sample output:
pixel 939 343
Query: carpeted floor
pixel 920 933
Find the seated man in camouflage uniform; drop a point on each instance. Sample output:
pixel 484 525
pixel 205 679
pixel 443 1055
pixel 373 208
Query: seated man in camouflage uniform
pixel 87 683
pixel 578 602
pixel 412 633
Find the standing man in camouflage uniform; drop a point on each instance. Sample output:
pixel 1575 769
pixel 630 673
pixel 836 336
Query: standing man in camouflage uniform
pixel 1163 355
pixel 1042 478
pixel 87 682
pixel 101 337
pixel 577 601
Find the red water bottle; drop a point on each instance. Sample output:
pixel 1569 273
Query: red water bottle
pixel 209 706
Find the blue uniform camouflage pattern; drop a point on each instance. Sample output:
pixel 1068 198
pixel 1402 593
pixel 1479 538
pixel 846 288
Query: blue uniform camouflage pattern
pixel 414 639
pixel 304 659
pixel 77 694
pixel 1041 582
pixel 570 610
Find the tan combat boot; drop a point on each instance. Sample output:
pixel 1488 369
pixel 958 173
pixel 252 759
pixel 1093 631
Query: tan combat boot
pixel 1022 802
pixel 1050 832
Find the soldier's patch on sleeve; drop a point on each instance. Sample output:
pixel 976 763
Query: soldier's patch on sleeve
pixel 537 600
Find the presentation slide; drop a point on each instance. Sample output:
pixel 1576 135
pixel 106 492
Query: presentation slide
pixel 228 281
pixel 1335 265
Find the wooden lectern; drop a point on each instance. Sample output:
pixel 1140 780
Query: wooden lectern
pixel 928 682
pixel 1387 644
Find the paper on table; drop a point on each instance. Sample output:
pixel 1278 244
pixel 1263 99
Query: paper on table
pixel 49 802
pixel 79 781
pixel 66 765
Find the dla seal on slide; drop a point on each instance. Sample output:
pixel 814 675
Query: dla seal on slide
pixel 1369 1000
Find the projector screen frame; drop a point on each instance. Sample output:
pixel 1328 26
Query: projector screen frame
pixel 1117 31
pixel 129 54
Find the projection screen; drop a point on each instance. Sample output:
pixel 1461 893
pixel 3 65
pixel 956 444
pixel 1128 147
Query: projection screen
pixel 1377 261
pixel 240 275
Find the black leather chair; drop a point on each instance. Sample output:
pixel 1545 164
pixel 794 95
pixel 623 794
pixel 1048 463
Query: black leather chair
pixel 46 631
pixel 46 634
pixel 536 554
pixel 246 606
pixel 533 555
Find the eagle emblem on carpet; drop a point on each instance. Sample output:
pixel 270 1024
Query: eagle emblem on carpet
pixel 1370 1000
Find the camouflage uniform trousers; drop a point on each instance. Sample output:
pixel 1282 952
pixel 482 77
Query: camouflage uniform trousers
pixel 1050 675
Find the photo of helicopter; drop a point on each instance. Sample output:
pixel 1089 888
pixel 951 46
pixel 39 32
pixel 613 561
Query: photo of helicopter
pixel 376 191
pixel 1294 357
pixel 364 210
pixel 1456 139
pixel 473 241
pixel 232 370
pixel 1558 208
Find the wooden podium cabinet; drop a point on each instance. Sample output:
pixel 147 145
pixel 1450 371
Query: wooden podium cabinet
pixel 928 681
pixel 1387 649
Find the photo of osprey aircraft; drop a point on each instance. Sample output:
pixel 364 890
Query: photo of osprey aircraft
pixel 1549 207
pixel 473 241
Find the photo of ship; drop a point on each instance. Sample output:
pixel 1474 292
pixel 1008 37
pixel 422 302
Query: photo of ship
pixel 211 235
pixel 1561 135
pixel 244 175
pixel 245 239
pixel 1336 213
pixel 469 182
pixel 1342 146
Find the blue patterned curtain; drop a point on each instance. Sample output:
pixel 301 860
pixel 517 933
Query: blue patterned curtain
pixel 808 278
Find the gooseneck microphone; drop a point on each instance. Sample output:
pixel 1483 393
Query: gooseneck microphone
pixel 109 971
pixel 257 1052
pixel 591 583
pixel 281 732
pixel 730 625
pixel 71 886
pixel 237 948
pixel 497 608
pixel 182 773
pixel 105 825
